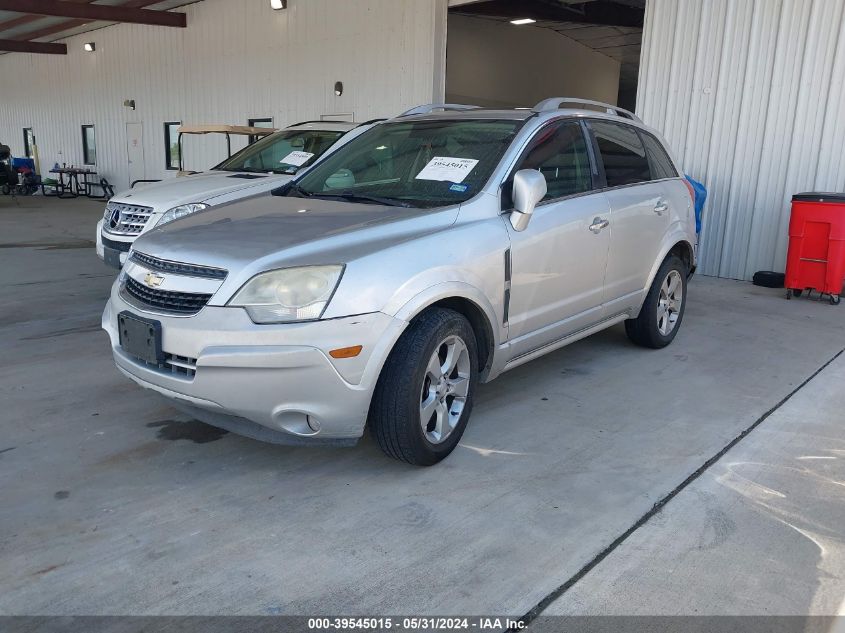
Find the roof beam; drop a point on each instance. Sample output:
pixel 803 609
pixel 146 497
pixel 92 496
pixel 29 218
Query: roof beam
pixel 26 19
pixel 53 29
pixel 57 8
pixel 16 46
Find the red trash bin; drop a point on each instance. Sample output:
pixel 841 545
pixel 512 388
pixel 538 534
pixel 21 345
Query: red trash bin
pixel 816 257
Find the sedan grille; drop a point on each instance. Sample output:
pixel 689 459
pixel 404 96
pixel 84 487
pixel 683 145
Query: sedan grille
pixel 126 219
pixel 164 300
pixel 167 266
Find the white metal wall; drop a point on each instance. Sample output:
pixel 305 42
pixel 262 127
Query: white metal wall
pixel 237 59
pixel 751 95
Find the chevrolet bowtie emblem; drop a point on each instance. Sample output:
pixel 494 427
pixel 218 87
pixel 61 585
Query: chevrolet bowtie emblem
pixel 153 280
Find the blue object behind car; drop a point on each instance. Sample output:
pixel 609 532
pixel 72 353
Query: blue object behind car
pixel 700 198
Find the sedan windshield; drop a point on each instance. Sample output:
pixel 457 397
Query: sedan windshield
pixel 284 152
pixel 412 163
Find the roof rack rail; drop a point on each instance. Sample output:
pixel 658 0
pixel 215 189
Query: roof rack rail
pixel 431 107
pixel 320 121
pixel 556 102
pixel 371 121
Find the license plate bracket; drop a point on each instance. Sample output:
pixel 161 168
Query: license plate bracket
pixel 140 337
pixel 112 257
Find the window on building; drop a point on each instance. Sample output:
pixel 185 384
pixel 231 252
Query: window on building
pixel 259 123
pixel 28 143
pixel 89 145
pixel 171 145
pixel 622 152
pixel 661 164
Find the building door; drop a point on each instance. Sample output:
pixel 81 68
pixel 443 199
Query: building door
pixel 135 151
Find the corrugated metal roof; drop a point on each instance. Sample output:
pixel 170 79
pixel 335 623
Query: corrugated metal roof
pixel 751 95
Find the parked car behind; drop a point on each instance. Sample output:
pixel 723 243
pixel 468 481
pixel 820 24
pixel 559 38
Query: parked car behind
pixel 258 168
pixel 431 253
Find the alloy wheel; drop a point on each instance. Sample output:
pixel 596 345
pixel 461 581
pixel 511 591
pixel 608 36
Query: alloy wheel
pixel 445 389
pixel 669 302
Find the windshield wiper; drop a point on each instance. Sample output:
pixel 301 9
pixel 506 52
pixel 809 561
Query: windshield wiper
pixel 292 188
pixel 248 170
pixel 360 197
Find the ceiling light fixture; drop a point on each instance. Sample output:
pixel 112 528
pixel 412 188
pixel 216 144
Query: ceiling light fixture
pixel 522 21
pixel 278 4
pixel 89 46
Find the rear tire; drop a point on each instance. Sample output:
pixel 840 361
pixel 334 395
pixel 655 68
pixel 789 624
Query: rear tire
pixel 431 373
pixel 663 309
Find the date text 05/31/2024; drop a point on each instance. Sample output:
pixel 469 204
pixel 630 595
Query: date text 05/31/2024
pixel 415 624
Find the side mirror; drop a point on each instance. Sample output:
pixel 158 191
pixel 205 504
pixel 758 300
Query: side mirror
pixel 529 187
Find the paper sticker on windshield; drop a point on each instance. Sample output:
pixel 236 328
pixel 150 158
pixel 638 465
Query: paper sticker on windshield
pixel 448 169
pixel 296 158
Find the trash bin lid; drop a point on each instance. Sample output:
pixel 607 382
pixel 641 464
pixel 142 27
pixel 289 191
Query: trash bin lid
pixel 818 196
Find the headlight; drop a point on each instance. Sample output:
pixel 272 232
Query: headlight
pixel 181 211
pixel 289 294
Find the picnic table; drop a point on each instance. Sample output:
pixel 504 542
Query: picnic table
pixel 68 183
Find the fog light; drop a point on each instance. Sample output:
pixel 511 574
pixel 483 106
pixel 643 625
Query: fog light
pixel 313 424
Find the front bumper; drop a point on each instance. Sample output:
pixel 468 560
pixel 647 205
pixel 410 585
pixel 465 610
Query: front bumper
pixel 275 383
pixel 113 252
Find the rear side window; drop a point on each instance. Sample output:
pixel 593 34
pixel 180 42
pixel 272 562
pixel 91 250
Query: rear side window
pixel 559 152
pixel 622 152
pixel 658 159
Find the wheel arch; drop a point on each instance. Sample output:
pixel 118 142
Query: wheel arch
pixel 677 244
pixel 467 301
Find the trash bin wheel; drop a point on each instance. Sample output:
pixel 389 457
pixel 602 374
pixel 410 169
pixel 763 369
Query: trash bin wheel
pixel 834 300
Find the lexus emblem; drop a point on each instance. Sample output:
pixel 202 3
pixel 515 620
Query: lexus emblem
pixel 153 280
pixel 114 218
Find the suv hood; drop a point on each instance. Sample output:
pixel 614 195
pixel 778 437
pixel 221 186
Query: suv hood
pixel 200 187
pixel 265 232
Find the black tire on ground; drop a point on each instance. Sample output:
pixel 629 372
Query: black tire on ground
pixel 768 279
pixel 394 417
pixel 834 300
pixel 644 329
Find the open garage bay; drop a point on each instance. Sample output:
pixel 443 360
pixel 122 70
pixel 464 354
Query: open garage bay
pixel 112 503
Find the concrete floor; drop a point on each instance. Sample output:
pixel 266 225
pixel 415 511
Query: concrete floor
pixel 114 504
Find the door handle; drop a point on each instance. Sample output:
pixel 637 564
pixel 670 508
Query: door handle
pixel 599 224
pixel 661 207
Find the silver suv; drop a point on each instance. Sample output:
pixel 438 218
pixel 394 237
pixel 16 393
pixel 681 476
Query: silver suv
pixel 433 252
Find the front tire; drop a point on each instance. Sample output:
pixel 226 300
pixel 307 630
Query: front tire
pixel 663 310
pixel 424 395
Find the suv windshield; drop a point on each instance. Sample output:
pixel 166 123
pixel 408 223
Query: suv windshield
pixel 284 152
pixel 412 163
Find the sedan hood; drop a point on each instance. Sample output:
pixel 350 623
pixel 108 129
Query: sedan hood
pixel 266 231
pixel 201 187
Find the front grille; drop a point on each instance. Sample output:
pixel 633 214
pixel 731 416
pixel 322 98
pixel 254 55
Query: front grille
pixel 188 270
pixel 173 365
pixel 123 247
pixel 180 365
pixel 165 300
pixel 126 219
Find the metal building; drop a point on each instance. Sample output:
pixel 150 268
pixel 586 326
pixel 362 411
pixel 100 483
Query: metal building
pixel 749 93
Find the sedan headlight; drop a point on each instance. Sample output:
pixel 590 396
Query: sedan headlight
pixel 289 294
pixel 181 211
